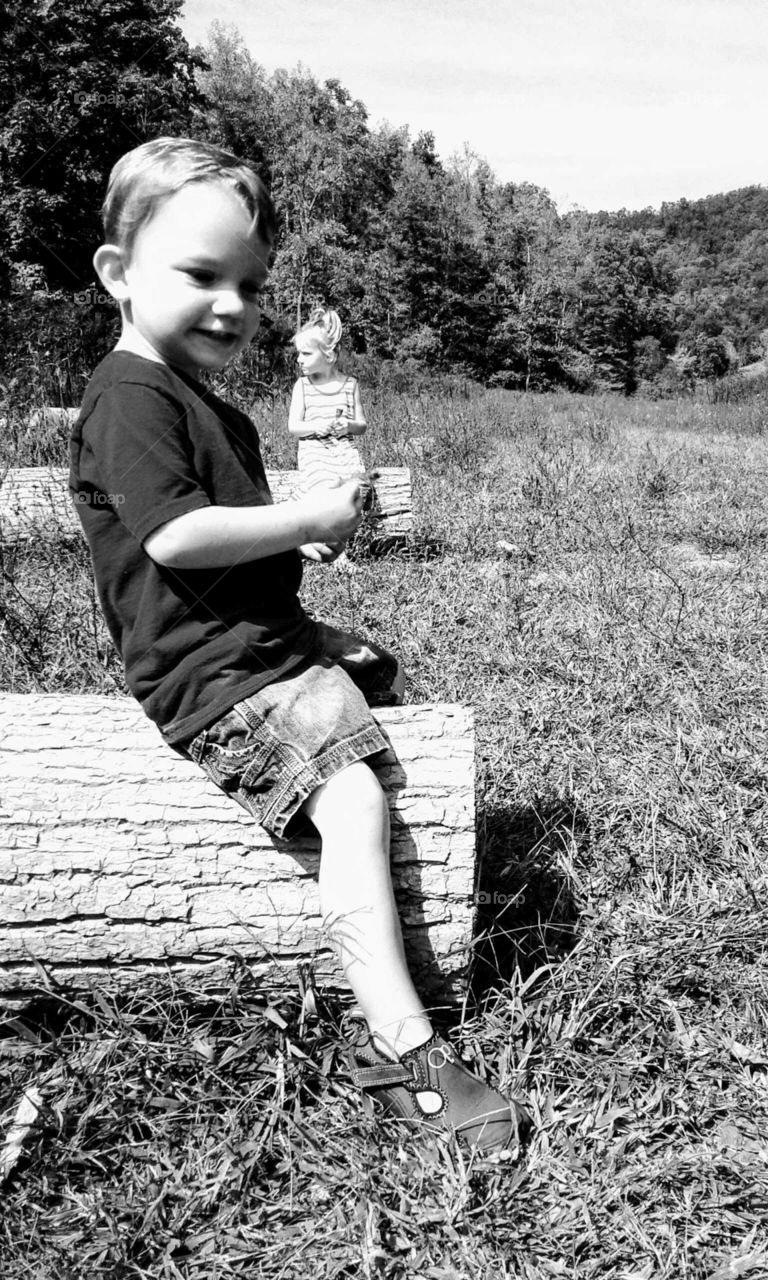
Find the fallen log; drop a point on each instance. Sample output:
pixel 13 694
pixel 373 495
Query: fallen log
pixel 120 861
pixel 35 502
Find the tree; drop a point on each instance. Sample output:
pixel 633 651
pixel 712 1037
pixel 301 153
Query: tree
pixel 239 111
pixel 712 358
pixel 320 140
pixel 619 294
pixel 431 243
pixel 81 82
pixel 523 233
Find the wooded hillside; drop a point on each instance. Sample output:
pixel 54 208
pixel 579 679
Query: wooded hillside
pixel 434 263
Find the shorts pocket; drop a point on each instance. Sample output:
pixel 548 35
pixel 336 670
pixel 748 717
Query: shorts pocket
pixel 231 751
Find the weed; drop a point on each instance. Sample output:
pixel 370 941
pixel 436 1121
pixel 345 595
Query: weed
pixel 596 589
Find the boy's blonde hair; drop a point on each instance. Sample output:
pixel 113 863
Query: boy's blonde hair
pixel 325 327
pixel 145 177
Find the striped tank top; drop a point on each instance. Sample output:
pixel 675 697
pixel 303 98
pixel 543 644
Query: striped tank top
pixel 324 461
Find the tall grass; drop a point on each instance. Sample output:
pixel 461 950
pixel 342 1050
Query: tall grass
pixel 590 574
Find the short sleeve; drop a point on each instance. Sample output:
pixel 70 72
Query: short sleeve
pixel 142 456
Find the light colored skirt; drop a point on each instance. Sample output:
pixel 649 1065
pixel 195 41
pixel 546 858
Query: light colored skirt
pixel 323 463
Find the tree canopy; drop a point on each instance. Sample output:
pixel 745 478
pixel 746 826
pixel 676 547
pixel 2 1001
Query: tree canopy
pixel 433 263
pixel 81 82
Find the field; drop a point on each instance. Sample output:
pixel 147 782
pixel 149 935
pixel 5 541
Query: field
pixel 614 648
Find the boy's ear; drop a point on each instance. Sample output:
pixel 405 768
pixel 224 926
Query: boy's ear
pixel 110 263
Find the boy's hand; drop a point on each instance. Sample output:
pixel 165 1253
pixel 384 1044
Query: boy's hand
pixel 335 513
pixel 320 552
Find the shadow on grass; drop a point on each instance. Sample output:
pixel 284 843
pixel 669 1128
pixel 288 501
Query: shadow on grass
pixel 403 546
pixel 526 912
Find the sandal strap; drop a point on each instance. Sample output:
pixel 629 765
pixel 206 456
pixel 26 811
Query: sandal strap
pixel 381 1076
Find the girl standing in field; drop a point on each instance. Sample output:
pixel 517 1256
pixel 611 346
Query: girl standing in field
pixel 326 414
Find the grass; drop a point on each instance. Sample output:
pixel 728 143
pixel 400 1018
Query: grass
pixel 614 650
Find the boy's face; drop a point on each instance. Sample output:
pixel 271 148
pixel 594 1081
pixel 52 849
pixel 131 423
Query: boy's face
pixel 193 280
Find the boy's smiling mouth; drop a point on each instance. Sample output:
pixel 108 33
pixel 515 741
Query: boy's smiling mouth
pixel 222 336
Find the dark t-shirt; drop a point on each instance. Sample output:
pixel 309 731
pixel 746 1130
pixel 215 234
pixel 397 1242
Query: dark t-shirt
pixel 152 444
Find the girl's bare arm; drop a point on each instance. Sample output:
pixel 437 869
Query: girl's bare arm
pixel 355 425
pixel 296 424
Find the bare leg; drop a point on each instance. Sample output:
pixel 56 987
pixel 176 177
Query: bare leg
pixel 358 906
pixel 439 1095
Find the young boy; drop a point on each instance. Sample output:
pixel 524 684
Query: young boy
pixel 198 575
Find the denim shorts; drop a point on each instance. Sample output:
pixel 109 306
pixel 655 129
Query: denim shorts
pixel 273 749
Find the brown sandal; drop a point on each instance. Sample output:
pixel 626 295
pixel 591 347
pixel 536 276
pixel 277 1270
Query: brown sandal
pixel 430 1088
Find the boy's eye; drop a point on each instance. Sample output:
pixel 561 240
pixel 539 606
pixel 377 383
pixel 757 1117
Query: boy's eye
pixel 199 275
pixel 252 288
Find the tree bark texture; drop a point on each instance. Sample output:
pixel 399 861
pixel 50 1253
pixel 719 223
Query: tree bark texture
pixel 120 860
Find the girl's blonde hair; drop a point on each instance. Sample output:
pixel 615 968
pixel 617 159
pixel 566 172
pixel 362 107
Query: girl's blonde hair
pixel 326 329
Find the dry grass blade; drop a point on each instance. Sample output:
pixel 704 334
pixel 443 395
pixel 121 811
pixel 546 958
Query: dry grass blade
pixel 590 574
pixel 26 1115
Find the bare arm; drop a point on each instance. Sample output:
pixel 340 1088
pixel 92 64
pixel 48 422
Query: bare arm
pixel 214 537
pixel 296 424
pixel 356 425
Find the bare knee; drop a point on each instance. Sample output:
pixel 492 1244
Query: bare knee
pixel 351 799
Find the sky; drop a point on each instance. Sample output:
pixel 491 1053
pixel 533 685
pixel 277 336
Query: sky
pixel 608 104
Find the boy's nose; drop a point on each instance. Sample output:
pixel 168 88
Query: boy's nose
pixel 228 303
